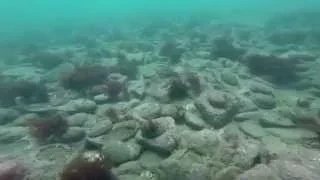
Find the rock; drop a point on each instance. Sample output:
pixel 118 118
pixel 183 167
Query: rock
pixel 102 127
pixel 164 124
pixel 252 129
pixel 11 134
pixel 100 98
pixel 229 78
pixel 261 172
pixel 55 74
pixel 214 116
pixel 292 135
pixel 131 167
pixel 304 102
pixel 25 119
pixel 73 134
pixel 287 169
pixel 261 88
pixel 79 105
pixel 23 73
pixel 136 89
pixel 173 169
pixel 8 115
pixel 123 130
pixel 163 144
pixel 120 152
pixel 203 142
pixel 245 159
pixel 227 173
pixel 245 116
pixel 172 110
pixel 274 120
pixel 194 121
pixel 150 159
pixel 132 177
pixel 217 99
pixel 12 170
pixel 158 91
pixel 264 101
pixel 79 119
pixel 246 105
pixel 148 110
pixel 275 146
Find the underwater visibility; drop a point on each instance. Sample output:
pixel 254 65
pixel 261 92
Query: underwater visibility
pixel 160 90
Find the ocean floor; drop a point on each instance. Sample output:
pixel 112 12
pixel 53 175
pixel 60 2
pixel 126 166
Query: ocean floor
pixel 191 99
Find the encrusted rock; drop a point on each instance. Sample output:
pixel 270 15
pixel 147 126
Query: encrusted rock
pixel 203 142
pixel 120 152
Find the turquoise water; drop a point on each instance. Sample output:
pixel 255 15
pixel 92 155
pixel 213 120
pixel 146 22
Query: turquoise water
pixel 15 16
pixel 159 90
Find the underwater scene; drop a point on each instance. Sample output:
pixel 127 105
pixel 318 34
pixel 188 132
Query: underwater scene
pixel 160 90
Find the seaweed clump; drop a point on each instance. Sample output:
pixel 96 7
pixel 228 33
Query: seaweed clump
pixel 84 77
pixel 28 91
pixel 280 69
pixel 89 165
pixel 48 129
pixel 177 89
pixel 171 50
pixel 184 85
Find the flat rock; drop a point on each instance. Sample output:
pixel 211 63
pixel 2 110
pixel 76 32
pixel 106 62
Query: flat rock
pixel 244 116
pixel 229 78
pixel 252 129
pixel 261 88
pixel 264 101
pixel 25 119
pixel 7 115
pixel 79 119
pixel 274 120
pixel 12 134
pixel 259 172
pixel 73 134
pixel 100 128
pixel 292 135
pixel 79 105
pixel 148 110
pixel 123 130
